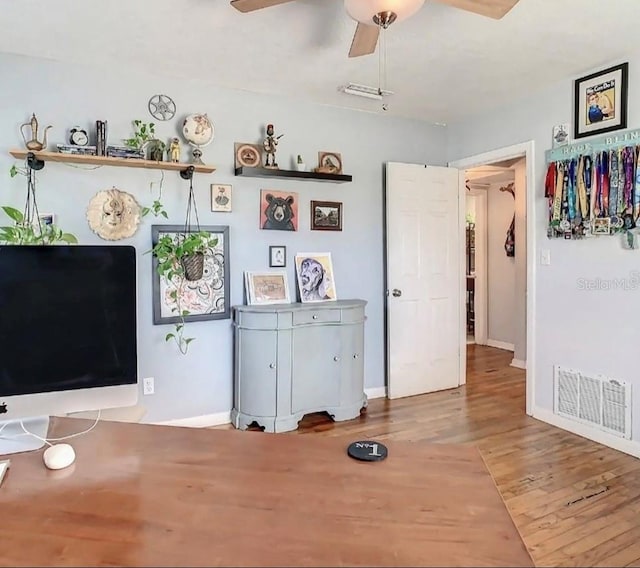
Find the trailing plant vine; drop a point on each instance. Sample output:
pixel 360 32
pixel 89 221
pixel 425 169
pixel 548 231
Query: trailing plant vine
pixel 28 228
pixel 171 252
pixel 180 258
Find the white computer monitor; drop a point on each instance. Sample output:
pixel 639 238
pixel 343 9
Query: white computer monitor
pixel 68 335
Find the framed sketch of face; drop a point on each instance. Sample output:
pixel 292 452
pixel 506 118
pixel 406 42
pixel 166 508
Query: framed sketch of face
pixel 314 272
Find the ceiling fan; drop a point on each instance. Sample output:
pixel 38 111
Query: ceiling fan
pixel 372 15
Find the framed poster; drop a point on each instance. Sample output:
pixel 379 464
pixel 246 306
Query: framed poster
pixel 277 256
pixel 600 101
pixel 204 299
pixel 221 197
pixel 314 271
pixel 326 216
pixel 267 287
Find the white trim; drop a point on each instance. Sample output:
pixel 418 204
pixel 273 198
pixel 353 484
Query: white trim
pixel 204 421
pixel 462 278
pixel 221 418
pixel 376 392
pixel 519 363
pixel 621 444
pixel 526 149
pixel 501 345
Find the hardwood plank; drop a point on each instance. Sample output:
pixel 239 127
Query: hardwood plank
pixel 538 469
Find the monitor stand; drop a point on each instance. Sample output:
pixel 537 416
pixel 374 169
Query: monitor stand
pixel 13 438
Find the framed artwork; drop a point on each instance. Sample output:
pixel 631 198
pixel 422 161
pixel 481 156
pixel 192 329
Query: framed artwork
pixel 278 210
pixel 600 103
pixel 326 216
pixel 247 155
pixel 330 162
pixel 314 272
pixel 204 299
pixel 267 287
pixel 560 135
pixel 277 256
pixel 221 197
pixel 47 218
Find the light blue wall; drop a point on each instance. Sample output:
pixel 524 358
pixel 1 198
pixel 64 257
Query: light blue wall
pixel 65 95
pixel 592 331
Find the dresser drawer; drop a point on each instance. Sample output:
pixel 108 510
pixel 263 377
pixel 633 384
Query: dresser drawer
pixel 316 316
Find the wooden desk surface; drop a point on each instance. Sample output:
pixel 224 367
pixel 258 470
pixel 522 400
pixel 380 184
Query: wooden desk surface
pixel 167 496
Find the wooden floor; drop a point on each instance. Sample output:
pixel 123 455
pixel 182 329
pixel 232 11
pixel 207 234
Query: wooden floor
pixel 575 502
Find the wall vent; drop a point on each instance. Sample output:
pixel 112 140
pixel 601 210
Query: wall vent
pixel 595 400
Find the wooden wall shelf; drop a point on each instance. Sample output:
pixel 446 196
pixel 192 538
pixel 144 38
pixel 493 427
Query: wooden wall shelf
pixel 110 161
pixel 294 174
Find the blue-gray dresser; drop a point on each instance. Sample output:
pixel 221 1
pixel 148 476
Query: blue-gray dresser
pixel 294 359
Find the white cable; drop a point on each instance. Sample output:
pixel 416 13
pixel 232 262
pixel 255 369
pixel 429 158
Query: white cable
pixel 49 440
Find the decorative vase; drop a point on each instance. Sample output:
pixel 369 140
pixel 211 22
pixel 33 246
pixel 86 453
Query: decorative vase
pixel 193 265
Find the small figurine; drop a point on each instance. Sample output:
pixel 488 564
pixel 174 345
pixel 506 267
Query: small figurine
pixel 34 144
pixel 174 150
pixel 269 145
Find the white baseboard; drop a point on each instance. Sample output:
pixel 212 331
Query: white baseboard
pixel 221 418
pixel 630 447
pixel 204 421
pixel 519 363
pixel 501 345
pixel 376 392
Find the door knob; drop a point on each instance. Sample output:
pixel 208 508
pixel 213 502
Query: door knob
pixel 396 293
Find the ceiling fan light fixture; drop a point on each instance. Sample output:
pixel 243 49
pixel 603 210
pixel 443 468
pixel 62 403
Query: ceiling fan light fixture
pixel 368 11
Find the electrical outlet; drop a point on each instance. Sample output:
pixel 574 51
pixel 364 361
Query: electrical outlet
pixel 147 386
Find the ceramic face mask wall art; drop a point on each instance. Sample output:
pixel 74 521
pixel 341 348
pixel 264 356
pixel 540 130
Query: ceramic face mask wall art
pixel 113 214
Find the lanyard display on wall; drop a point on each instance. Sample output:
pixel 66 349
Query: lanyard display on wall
pixel 593 189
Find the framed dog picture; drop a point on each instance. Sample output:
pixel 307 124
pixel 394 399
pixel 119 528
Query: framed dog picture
pixel 314 271
pixel 600 103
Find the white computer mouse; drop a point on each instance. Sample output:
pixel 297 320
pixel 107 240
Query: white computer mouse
pixel 59 456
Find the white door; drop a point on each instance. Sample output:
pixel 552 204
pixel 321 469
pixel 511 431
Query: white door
pixel 425 322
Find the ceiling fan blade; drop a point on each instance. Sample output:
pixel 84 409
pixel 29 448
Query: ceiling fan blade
pixel 252 5
pixel 495 9
pixel 364 40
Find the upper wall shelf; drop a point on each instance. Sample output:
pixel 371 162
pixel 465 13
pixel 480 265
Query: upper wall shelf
pixel 109 161
pixel 273 173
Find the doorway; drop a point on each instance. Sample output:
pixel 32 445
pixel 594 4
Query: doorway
pixel 425 275
pixel 491 175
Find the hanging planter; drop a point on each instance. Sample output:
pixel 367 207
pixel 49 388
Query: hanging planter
pixel 181 259
pixel 193 265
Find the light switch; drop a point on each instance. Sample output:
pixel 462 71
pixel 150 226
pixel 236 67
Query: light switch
pixel 545 257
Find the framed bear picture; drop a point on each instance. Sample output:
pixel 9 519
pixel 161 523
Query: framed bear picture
pixel 278 210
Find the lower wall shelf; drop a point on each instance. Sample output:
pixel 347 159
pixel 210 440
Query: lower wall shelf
pixel 110 161
pixel 277 173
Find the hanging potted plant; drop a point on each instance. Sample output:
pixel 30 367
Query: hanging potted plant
pixel 28 227
pixel 181 259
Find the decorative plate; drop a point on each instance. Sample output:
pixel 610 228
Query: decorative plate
pixel 330 162
pixel 197 130
pixel 248 155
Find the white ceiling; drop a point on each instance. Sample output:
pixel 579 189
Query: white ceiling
pixel 443 63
